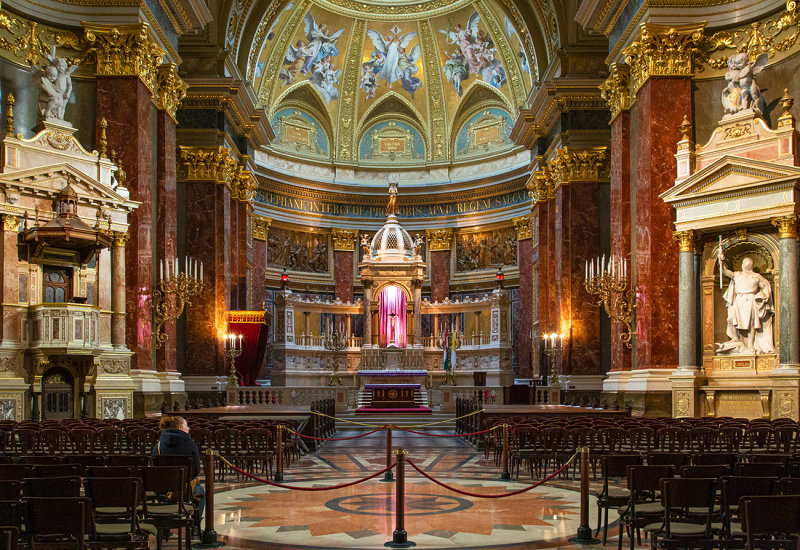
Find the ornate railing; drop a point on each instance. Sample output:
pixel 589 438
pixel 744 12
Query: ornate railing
pixel 266 396
pixel 73 326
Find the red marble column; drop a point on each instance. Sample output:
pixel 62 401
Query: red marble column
pixel 249 252
pixel 125 102
pixel 242 255
pixel 208 220
pixel 620 199
pixel 440 275
pixel 233 252
pixel 166 222
pixel 343 274
pixel 661 105
pixel 10 325
pixel 259 272
pixel 525 311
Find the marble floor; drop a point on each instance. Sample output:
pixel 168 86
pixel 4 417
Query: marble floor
pixel 258 516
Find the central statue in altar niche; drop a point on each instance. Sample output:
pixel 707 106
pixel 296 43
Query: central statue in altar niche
pixel 750 311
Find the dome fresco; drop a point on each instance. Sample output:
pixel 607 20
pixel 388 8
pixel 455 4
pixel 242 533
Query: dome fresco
pixel 392 82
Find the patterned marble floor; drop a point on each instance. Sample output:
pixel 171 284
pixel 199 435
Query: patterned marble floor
pixel 257 516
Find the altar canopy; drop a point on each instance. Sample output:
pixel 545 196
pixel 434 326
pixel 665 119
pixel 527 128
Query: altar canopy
pixel 392 300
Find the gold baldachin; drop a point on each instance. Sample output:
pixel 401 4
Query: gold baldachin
pixel 171 89
pixel 687 240
pixel 207 164
pixel 440 239
pixel 343 239
pixel 616 89
pixel 787 226
pixel 124 50
pixel 524 226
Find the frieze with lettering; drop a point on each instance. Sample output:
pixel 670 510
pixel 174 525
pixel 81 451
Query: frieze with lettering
pixel 378 212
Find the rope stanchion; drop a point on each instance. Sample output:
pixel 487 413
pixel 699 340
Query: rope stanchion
pixel 506 475
pixel 209 537
pixel 501 495
pixel 446 421
pixel 335 438
pixel 400 536
pixel 279 453
pixel 346 420
pixel 584 534
pixel 388 476
pixel 295 488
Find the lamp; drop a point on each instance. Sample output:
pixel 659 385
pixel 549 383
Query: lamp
pixel 183 286
pixel 609 282
pixel 499 277
pixel 233 349
pixel 284 279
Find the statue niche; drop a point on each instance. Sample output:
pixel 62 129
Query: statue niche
pixel 486 249
pixel 297 250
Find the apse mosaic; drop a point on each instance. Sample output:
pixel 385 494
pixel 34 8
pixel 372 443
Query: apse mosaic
pixel 392 141
pixel 298 132
pixel 485 132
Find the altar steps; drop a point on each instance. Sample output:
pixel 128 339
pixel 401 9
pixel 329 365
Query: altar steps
pixel 448 423
pixel 364 398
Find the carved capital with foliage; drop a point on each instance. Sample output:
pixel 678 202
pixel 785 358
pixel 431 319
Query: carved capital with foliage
pixel 10 222
pixel 124 50
pixel 664 51
pixel 343 239
pixel 687 240
pixel 616 90
pixel 440 239
pixel 207 164
pixel 120 238
pixel 523 225
pixel 243 184
pixel 541 185
pixel 171 89
pixel 572 165
pixel 787 226
pixel 259 225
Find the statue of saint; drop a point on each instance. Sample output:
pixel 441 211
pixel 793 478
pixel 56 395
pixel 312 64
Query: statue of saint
pixel 750 311
pixel 391 208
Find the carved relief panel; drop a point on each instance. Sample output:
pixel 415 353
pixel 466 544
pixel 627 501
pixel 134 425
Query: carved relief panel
pixel 298 250
pixel 486 249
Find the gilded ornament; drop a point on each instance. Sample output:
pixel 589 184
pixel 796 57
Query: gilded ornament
pixel 30 42
pixel 686 129
pixel 243 184
pixel 440 239
pixel 171 89
pixel 786 103
pixel 259 227
pixel 120 239
pixel 343 239
pixel 541 185
pixel 570 165
pixel 438 130
pixel 10 115
pixel 103 140
pixel 787 226
pixel 201 164
pixel 664 51
pixel 523 225
pixel 616 90
pixel 687 240
pixel 347 107
pixel 682 403
pixel 124 50
pixel 10 222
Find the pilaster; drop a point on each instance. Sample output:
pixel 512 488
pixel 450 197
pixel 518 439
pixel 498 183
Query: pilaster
pixel 259 230
pixel 524 227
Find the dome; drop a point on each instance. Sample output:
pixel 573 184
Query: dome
pixel 392 242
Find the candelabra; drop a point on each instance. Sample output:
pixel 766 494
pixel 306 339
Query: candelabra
pixel 174 292
pixel 336 342
pixel 445 344
pixel 609 283
pixel 233 349
pixel 553 346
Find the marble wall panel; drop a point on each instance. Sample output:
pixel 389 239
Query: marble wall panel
pixel 440 275
pixel 620 219
pixel 524 312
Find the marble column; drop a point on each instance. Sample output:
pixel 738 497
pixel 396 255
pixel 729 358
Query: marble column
pixel 687 301
pixel 620 230
pixel 416 289
pixel 118 290
pixel 367 312
pixel 166 220
pixel 439 242
pixel 344 248
pixel 661 105
pixel 524 312
pixel 789 352
pixel 259 229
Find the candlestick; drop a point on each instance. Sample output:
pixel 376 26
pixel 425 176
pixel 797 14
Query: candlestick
pixel 613 292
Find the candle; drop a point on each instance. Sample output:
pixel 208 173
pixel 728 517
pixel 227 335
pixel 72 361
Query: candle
pixel 175 266
pixel 201 272
pixel 161 268
pixel 240 341
pixel 586 270
pixel 603 265
pixel 186 263
pixel 195 269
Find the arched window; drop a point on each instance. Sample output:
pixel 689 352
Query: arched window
pixel 56 285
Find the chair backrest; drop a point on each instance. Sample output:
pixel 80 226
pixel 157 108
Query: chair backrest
pixel 10 513
pixel 137 461
pixel 84 440
pixel 702 438
pixel 64 518
pixel 736 487
pixel 769 457
pixel 115 492
pixel 668 459
pixel 714 471
pixel 610 438
pixel 670 439
pixel 141 440
pixel 10 490
pixel 257 441
pixel 181 461
pixel 54 440
pixel 28 440
pixel 111 471
pixel 111 440
pixel 163 480
pixel 647 479
pixel 770 516
pixel 51 486
pixel 41 459
pixel 202 437
pixel 708 459
pixel 16 472
pixel 617 465
pixel 87 460
pixel 760 469
pixel 9 536
pixel 56 470
pixel 678 495
pixel 790 486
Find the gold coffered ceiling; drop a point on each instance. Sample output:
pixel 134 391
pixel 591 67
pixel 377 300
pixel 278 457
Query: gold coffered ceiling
pixel 393 83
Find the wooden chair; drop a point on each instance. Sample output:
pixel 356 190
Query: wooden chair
pixel 58 521
pixel 734 488
pixel 117 503
pixel 688 509
pixel 168 509
pixel 771 521
pixel 644 505
pixel 613 466
pixel 60 487
pixel 760 469
pixel 713 471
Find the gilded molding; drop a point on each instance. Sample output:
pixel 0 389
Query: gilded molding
pixel 243 184
pixel 440 239
pixel 787 226
pixel 124 50
pixel 343 239
pixel 212 164
pixel 171 89
pixel 664 51
pixel 616 90
pixel 259 225
pixel 439 140
pixel 346 131
pixel 10 222
pixel 524 226
pixel 30 43
pixel 687 240
pixel 571 165
pixel 120 238
pixel 541 185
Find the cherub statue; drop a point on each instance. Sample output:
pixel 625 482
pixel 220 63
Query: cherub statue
pixel 55 88
pixel 742 91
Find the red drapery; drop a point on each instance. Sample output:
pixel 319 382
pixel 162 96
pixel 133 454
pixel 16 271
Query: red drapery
pixel 392 300
pixel 252 325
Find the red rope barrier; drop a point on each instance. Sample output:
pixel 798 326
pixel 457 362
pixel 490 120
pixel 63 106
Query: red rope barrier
pixel 441 435
pixel 502 495
pixel 338 438
pixel 330 488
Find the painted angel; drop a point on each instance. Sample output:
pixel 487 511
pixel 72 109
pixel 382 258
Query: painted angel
pixel 320 42
pixel 390 49
pixel 465 39
pixel 296 57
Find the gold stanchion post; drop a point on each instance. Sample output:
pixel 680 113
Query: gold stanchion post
pixel 400 537
pixel 584 535
pixel 388 475
pixel 209 538
pixel 279 453
pixel 506 475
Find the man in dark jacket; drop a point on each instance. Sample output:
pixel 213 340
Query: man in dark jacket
pixel 175 441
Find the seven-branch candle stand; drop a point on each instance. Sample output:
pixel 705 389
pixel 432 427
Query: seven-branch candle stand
pixel 183 286
pixel 553 346
pixel 233 349
pixel 336 342
pixel 609 282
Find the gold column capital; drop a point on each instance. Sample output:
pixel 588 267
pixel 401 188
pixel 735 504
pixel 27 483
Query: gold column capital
pixel 124 50
pixel 243 184
pixel 120 238
pixel 10 222
pixel 524 226
pixel 787 226
pixel 259 226
pixel 207 164
pixel 440 239
pixel 662 50
pixel 171 89
pixel 575 165
pixel 343 239
pixel 687 240
pixel 541 185
pixel 616 89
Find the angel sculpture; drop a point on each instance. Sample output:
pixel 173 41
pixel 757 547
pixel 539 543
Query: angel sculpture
pixel 742 91
pixel 396 63
pixel 55 88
